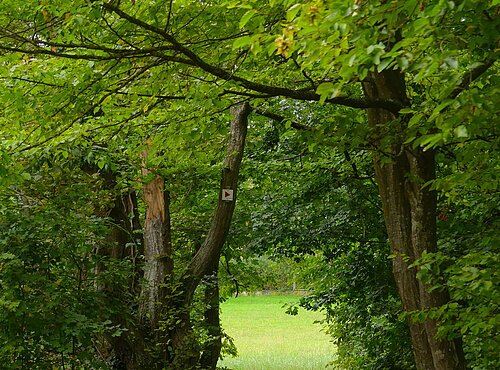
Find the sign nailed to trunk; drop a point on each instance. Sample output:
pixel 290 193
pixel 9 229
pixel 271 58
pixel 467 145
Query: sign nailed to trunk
pixel 227 195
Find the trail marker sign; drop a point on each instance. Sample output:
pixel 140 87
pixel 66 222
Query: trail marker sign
pixel 227 195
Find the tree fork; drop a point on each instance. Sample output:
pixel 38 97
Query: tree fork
pixel 206 260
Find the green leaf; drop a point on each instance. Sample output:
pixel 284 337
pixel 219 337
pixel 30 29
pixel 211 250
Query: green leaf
pixel 452 62
pixel 406 110
pixel 461 131
pixel 436 112
pixel 246 17
pixel 383 64
pixel 26 176
pixel 292 12
pixel 242 42
pixel 415 119
pixel 325 89
pixel 379 47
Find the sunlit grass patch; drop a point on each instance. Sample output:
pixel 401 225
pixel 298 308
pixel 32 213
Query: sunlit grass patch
pixel 268 338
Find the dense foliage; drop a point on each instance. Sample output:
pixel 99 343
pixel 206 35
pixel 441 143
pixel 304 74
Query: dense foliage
pixel 49 270
pixel 103 98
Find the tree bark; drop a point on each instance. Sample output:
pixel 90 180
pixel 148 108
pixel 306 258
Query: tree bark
pixel 206 260
pixel 410 218
pixel 158 265
pixel 212 349
pixel 207 257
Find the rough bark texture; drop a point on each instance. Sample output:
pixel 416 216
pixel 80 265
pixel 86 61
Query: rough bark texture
pixel 157 250
pixel 207 257
pixel 410 217
pixel 186 354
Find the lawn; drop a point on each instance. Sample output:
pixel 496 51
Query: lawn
pixel 269 339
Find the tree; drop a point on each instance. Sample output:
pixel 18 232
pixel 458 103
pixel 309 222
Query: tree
pixel 407 63
pixel 322 211
pixel 165 299
pixel 48 269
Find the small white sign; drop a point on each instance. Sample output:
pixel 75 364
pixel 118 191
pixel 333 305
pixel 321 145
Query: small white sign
pixel 227 194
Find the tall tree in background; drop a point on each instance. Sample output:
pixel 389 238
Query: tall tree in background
pixel 419 70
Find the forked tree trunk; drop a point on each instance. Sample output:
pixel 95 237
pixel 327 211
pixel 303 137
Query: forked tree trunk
pixel 206 260
pixel 410 218
pixel 180 347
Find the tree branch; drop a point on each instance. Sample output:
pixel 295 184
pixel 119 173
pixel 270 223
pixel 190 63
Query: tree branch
pixel 196 60
pixel 281 119
pixel 162 97
pixel 304 73
pixel 167 25
pixel 125 54
pixel 133 51
pixel 470 76
pixel 244 93
pixel 31 81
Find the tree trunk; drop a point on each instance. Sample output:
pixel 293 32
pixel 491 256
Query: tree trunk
pixel 127 350
pixel 158 267
pixel 157 250
pixel 410 218
pixel 206 260
pixel 211 352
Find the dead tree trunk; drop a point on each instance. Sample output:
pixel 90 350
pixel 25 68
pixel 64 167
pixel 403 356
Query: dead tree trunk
pixel 410 218
pixel 158 264
pixel 158 267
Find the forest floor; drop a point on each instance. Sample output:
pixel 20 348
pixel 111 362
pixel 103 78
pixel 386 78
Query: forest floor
pixel 267 338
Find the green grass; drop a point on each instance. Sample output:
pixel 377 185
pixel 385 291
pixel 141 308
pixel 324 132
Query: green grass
pixel 269 339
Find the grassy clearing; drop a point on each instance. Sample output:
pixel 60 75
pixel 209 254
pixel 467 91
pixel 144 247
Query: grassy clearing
pixel 269 339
